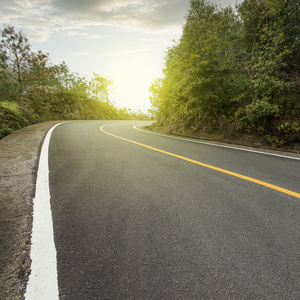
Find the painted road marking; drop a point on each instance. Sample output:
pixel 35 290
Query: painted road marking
pixel 271 186
pixel 42 284
pixel 215 145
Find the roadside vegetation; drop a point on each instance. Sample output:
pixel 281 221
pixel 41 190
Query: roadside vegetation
pixel 234 73
pixel 33 90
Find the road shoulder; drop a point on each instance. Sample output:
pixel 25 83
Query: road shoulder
pixel 19 156
pixel 292 153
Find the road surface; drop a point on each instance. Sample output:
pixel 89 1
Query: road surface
pixel 135 217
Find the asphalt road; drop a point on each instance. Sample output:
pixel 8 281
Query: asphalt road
pixel 134 223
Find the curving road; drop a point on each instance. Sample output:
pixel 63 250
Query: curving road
pixel 143 216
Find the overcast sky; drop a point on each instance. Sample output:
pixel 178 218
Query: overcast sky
pixel 124 39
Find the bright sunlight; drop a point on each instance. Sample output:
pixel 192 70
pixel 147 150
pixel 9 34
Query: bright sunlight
pixel 132 78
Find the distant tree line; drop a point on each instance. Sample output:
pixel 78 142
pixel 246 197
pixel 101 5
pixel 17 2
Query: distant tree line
pixel 235 72
pixel 33 90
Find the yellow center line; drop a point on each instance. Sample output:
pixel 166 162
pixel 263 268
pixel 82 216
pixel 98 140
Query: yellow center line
pixel 271 186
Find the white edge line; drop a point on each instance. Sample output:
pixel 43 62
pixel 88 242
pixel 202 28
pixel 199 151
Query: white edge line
pixel 215 145
pixel 43 281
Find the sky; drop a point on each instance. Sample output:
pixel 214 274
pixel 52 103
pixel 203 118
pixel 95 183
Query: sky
pixel 125 40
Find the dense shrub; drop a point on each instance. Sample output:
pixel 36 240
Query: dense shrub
pixel 11 118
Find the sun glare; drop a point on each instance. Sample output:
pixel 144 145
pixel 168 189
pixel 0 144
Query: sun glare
pixel 129 75
pixel 132 79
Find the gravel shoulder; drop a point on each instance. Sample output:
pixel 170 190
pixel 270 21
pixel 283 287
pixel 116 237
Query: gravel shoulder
pixel 19 156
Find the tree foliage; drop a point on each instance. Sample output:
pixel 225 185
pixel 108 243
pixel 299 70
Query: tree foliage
pixel 33 90
pixel 99 87
pixel 15 56
pixel 234 71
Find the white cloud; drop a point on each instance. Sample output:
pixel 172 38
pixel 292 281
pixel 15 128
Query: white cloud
pixel 57 14
pixel 38 36
pixel 88 35
pixel 82 53
pixel 128 51
pixel 46 16
pixel 95 36
pixel 75 33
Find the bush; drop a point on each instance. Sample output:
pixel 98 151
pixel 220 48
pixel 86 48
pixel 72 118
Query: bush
pixel 11 118
pixel 261 112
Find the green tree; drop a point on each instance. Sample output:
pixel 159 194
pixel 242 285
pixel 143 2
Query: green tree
pixel 37 78
pixel 15 49
pixel 203 74
pixel 99 87
pixel 235 71
pixel 33 90
pixel 8 85
pixel 154 90
pixel 275 74
pixel 211 45
pixel 60 78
